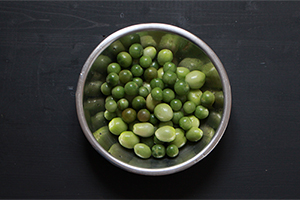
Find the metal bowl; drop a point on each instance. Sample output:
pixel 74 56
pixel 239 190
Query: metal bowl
pixel 188 45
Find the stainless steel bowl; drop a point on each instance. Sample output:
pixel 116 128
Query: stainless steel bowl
pixel 190 154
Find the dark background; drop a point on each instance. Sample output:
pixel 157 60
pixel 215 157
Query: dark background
pixel 43 151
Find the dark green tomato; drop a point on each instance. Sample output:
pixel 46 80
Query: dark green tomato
pixel 169 78
pixel 111 106
pixel 123 104
pixel 201 112
pixel 101 64
pixel 177 116
pixel 113 67
pixel 137 70
pixel 112 79
pixel 115 48
pixel 181 87
pixel 207 98
pixel 138 81
pixel 153 120
pixel 118 92
pixel 157 82
pixel 138 103
pixel 169 66
pixel 92 89
pixel 136 50
pixel 143 115
pixel 168 95
pixel 128 115
pixel 189 107
pixel 158 151
pixel 157 94
pixel 154 64
pixel 124 59
pixel 131 88
pixel 106 89
pixel 172 150
pixel 125 76
pixel 176 104
pixel 145 61
pixel 130 39
pixel 143 91
pixel 150 73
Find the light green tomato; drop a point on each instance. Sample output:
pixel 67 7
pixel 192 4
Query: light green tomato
pixel 160 73
pixel 195 121
pixel 128 139
pixel 194 134
pixel 182 72
pixel 165 133
pixel 195 79
pixel 144 129
pixel 116 126
pixel 163 112
pixel 195 96
pixel 180 139
pixel 142 150
pixel 151 103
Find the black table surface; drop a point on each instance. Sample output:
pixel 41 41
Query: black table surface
pixel 43 151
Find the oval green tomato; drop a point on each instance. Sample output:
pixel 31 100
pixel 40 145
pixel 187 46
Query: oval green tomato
pixel 144 129
pixel 128 139
pixel 195 79
pixel 142 150
pixel 165 133
pixel 116 126
pixel 163 112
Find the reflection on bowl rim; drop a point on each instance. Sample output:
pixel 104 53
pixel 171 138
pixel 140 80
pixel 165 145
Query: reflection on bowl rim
pixel 154 27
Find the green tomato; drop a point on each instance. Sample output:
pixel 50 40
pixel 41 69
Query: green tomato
pixel 142 150
pixel 157 94
pixel 189 107
pixel 195 121
pixel 172 150
pixel 181 88
pixel 109 115
pixel 106 89
pixel 164 55
pixel 194 134
pixel 168 95
pixel 136 50
pixel 177 116
pixel 111 106
pixel 112 79
pixel 124 59
pixel 169 78
pixel 150 51
pixel 122 104
pixel 195 96
pixel 201 112
pixel 182 72
pixel 129 115
pixel 143 91
pixel 150 73
pixel 137 70
pixel 207 99
pixel 143 129
pixel 131 88
pixel 157 82
pixel 169 66
pixel 158 151
pixel 165 133
pixel 138 81
pixel 143 115
pixel 145 61
pixel 113 67
pixel 180 139
pixel 138 103
pixel 116 126
pixel 176 104
pixel 125 76
pixel 118 92
pixel 185 123
pixel 128 139
pixel 195 79
pixel 163 112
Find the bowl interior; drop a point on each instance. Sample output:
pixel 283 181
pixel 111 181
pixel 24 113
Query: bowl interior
pixel 187 54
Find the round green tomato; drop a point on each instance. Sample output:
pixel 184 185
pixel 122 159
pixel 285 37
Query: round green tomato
pixel 142 150
pixel 169 78
pixel 124 59
pixel 131 88
pixel 201 112
pixel 172 150
pixel 129 115
pixel 109 115
pixel 176 104
pixel 181 88
pixel 145 61
pixel 185 123
pixel 125 76
pixel 138 81
pixel 163 112
pixel 182 72
pixel 116 126
pixel 149 74
pixel 137 70
pixel 169 66
pixel 189 107
pixel 177 116
pixel 136 50
pixel 118 92
pixel 106 89
pixel 143 115
pixel 143 91
pixel 194 134
pixel 113 67
pixel 128 139
pixel 138 103
pixel 157 82
pixel 168 95
pixel 207 98
pixel 111 106
pixel 123 104
pixel 112 79
pixel 164 55
pixel 157 94
pixel 180 139
pixel 195 96
pixel 150 51
pixel 158 151
pixel 195 79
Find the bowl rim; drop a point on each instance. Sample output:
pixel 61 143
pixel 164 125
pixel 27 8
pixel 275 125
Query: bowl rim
pixel 185 34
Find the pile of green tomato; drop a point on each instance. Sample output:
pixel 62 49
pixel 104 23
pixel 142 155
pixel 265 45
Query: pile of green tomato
pixel 152 105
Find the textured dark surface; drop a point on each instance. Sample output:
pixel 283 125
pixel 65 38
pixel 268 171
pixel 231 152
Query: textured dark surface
pixel 44 153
